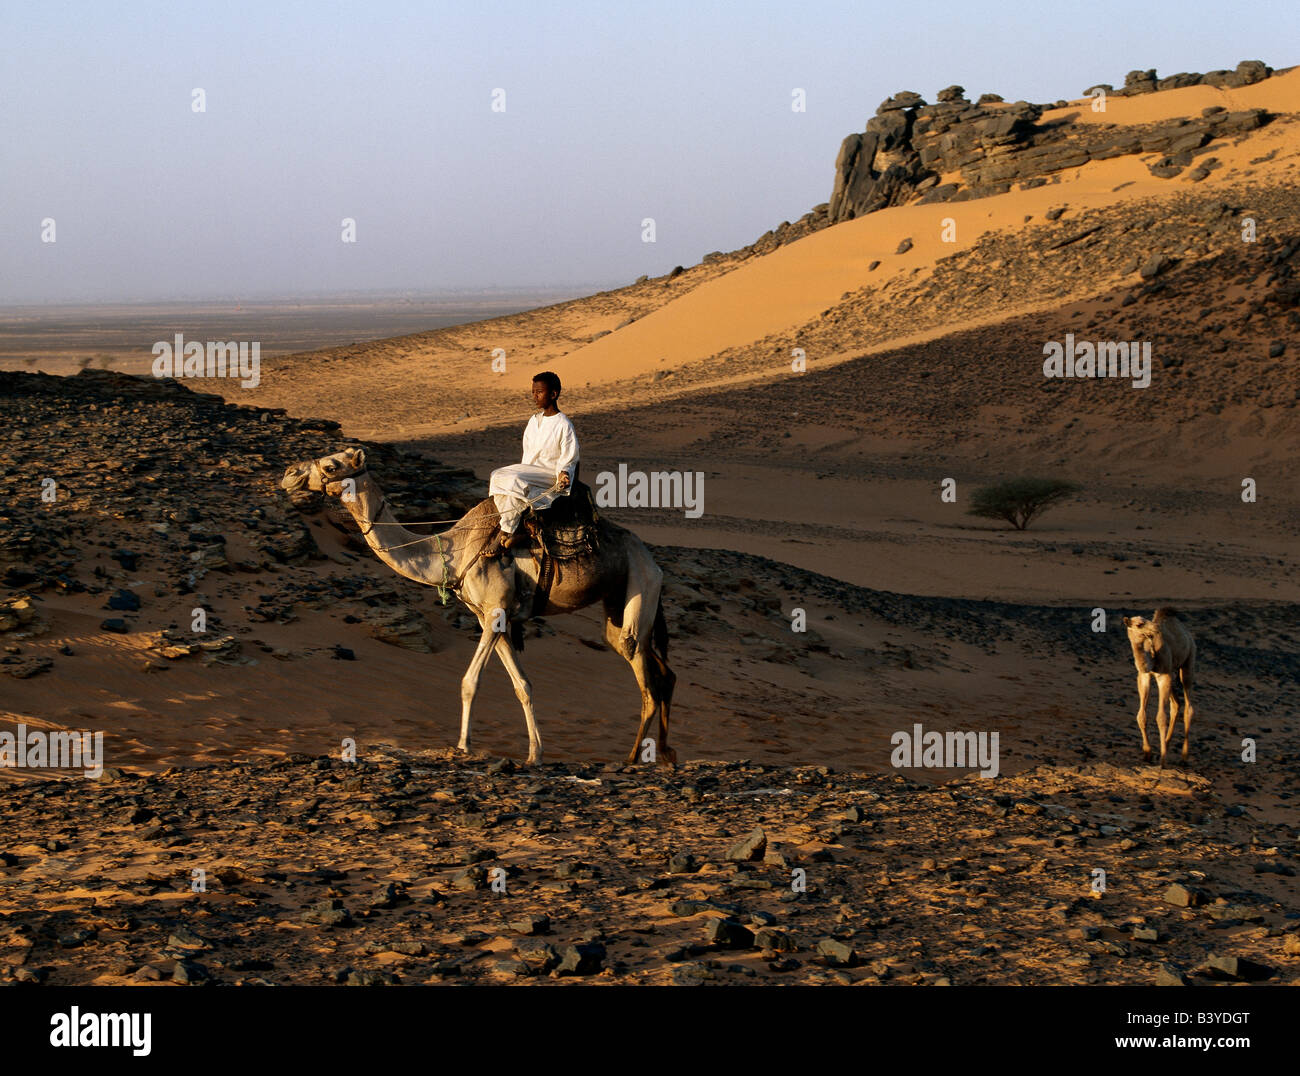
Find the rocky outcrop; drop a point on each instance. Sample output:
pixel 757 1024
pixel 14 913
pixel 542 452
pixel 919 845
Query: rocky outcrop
pixel 954 150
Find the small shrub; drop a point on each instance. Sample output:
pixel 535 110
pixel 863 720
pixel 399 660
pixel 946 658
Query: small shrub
pixel 1020 500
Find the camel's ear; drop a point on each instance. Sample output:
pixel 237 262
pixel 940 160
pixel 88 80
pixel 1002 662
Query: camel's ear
pixel 1126 622
pixel 358 458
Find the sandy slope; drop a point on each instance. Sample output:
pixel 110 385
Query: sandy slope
pixel 382 390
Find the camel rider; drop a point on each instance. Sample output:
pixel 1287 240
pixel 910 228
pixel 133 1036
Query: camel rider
pixel 549 460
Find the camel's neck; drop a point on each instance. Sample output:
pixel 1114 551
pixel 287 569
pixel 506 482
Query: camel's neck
pixel 415 556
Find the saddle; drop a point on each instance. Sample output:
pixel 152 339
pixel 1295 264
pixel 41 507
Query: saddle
pixel 568 529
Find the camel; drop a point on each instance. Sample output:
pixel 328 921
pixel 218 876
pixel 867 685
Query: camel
pixel 1163 648
pixel 498 591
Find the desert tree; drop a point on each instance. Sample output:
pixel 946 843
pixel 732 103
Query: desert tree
pixel 1019 500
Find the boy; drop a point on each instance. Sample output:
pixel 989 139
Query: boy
pixel 549 459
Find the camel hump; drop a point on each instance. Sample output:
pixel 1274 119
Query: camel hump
pixel 1166 613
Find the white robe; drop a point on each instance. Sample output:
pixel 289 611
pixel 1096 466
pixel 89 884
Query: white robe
pixel 550 448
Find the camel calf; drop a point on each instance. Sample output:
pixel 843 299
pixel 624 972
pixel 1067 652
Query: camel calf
pixel 1162 648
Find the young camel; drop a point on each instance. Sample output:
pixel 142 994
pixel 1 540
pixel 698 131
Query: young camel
pixel 622 575
pixel 1163 648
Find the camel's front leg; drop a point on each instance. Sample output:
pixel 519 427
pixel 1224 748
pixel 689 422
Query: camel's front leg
pixel 469 683
pixel 523 692
pixel 1164 684
pixel 1144 688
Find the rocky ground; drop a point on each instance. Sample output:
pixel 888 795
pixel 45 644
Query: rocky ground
pixel 425 870
pixel 413 866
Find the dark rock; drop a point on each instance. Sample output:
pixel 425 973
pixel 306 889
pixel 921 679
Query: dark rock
pixel 586 959
pixel 776 940
pixel 538 956
pixel 752 847
pixel 124 600
pixel 1182 896
pixel 835 953
pixel 189 971
pixel 185 938
pixel 905 99
pixel 682 863
pixel 372 978
pixel 116 625
pixel 328 913
pixel 730 934
pixel 531 924
pixel 692 974
pixel 904 246
pixel 1238 969
pixel 1154 265
pixel 1169 975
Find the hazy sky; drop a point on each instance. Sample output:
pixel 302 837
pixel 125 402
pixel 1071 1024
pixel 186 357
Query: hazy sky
pixel 381 112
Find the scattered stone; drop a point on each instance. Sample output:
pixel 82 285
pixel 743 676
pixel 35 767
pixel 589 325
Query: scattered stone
pixel 1239 969
pixel 682 863
pixel 1154 265
pixel 531 924
pixel 1170 975
pixel 730 934
pixel 586 959
pixel 124 600
pixel 751 848
pixel 1182 896
pixel 328 913
pixel 190 972
pixel 185 938
pixel 835 953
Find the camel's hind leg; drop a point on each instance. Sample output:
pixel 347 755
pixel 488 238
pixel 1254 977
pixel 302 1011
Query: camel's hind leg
pixel 635 639
pixel 1144 689
pixel 1186 675
pixel 666 681
pixel 646 674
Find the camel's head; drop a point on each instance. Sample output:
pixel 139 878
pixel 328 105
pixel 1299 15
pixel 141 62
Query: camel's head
pixel 325 474
pixel 1142 637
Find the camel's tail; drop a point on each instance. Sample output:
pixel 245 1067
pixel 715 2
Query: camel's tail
pixel 661 632
pixel 517 635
